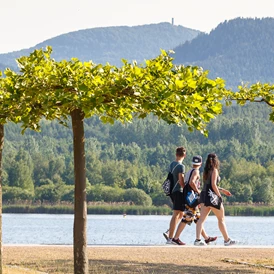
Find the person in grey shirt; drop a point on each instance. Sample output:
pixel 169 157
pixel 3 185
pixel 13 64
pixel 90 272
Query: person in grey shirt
pixel 178 169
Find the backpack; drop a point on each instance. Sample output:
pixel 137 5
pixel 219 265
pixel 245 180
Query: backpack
pixel 190 197
pixel 168 184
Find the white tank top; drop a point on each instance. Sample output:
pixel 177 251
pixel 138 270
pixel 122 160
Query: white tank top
pixel 186 178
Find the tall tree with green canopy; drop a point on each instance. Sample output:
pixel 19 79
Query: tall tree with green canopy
pixel 59 90
pixel 79 90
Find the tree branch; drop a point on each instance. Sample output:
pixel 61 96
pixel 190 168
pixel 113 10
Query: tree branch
pixel 263 100
pixel 251 100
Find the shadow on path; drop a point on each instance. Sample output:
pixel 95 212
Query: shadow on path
pixel 127 267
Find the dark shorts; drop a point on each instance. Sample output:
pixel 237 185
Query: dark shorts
pixel 202 197
pixel 178 201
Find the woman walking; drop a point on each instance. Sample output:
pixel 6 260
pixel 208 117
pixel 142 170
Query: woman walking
pixel 211 200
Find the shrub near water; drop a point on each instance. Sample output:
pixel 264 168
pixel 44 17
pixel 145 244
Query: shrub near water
pixel 137 197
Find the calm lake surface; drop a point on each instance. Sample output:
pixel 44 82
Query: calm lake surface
pixel 129 230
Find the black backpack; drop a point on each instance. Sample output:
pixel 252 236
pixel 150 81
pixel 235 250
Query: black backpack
pixel 168 184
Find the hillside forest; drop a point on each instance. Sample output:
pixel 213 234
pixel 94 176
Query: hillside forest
pixel 238 50
pixel 128 163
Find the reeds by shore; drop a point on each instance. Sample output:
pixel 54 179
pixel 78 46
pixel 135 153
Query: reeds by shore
pixel 231 210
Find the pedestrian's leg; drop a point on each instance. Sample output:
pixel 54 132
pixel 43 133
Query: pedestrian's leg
pixel 220 214
pixel 179 230
pixel 203 232
pixel 196 219
pixel 179 218
pixel 173 222
pixel 200 224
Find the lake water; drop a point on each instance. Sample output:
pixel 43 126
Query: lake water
pixel 129 230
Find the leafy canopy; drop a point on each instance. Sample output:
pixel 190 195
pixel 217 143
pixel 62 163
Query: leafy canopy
pixel 45 87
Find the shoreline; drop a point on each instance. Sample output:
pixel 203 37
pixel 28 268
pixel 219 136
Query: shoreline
pixel 147 246
pixel 109 209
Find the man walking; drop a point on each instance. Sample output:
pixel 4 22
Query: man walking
pixel 178 169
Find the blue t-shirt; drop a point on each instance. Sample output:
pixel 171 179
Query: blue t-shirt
pixel 178 168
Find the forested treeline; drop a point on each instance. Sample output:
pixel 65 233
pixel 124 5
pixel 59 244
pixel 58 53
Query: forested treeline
pixel 128 163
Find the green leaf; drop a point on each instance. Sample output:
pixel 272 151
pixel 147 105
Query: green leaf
pixel 192 83
pixel 179 84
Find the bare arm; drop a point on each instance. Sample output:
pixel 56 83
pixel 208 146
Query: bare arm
pixel 225 191
pixel 181 179
pixel 194 177
pixel 214 177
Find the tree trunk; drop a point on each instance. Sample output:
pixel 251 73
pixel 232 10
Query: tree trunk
pixel 80 203
pixel 1 149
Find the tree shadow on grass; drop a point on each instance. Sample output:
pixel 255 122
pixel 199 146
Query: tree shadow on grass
pixel 48 266
pixel 127 267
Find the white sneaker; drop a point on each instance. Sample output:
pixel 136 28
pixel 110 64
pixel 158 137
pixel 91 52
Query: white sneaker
pixel 199 243
pixel 169 242
pixel 165 234
pixel 230 242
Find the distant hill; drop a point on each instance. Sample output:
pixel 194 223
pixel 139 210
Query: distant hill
pixel 111 44
pixel 237 50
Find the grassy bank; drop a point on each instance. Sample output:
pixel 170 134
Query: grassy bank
pixel 94 209
pixel 244 210
pixel 231 210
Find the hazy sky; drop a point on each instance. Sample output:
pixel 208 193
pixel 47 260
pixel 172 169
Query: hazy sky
pixel 25 23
